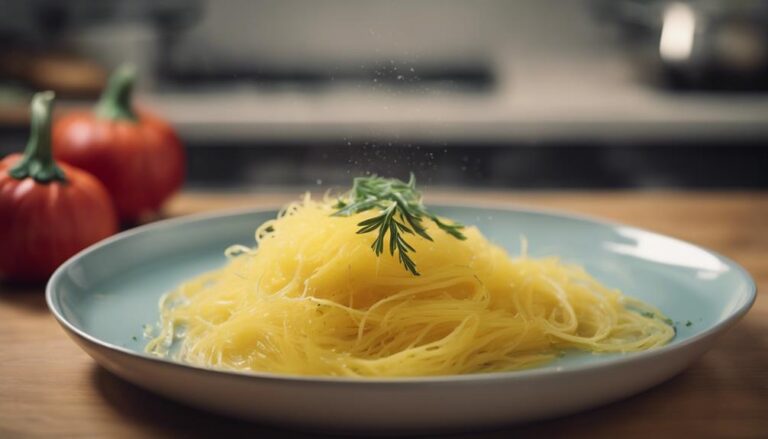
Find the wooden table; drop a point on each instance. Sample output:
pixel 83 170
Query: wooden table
pixel 49 387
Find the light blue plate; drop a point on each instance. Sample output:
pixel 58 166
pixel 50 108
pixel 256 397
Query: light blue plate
pixel 105 295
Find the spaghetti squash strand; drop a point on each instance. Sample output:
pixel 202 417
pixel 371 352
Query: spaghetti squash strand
pixel 313 299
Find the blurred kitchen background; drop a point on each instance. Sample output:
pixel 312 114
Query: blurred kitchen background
pixel 487 94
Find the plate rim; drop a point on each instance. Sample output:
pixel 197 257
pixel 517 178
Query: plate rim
pixel 515 375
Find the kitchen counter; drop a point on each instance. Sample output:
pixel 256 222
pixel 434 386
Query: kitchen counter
pixel 49 387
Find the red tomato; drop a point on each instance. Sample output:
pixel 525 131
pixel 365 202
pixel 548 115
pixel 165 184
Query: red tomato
pixel 137 156
pixel 47 212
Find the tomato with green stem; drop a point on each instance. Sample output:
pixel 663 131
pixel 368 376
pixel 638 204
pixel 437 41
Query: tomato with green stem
pixel 137 155
pixel 48 211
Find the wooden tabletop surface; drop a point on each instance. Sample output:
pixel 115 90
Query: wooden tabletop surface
pixel 49 387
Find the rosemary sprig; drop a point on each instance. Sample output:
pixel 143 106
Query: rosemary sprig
pixel 401 213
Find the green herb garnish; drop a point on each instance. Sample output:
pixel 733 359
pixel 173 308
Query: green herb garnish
pixel 402 213
pixel 652 315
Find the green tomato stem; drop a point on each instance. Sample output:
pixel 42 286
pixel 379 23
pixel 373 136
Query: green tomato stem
pixel 37 161
pixel 116 100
